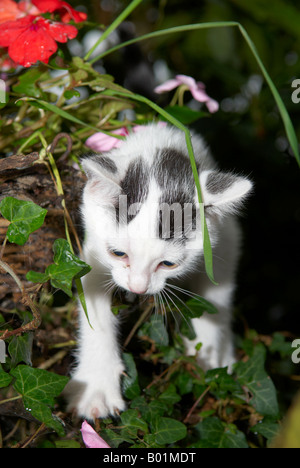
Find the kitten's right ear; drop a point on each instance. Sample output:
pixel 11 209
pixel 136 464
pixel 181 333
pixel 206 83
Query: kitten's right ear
pixel 223 192
pixel 103 177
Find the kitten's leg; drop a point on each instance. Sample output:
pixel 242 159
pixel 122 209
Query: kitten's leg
pixel 214 330
pixel 94 390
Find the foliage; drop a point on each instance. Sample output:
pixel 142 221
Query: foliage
pixel 172 402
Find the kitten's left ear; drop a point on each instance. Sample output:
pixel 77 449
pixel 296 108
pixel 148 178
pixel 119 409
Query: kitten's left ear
pixel 223 192
pixel 103 177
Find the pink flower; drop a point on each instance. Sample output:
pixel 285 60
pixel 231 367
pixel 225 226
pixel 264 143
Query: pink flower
pixel 196 88
pixel 90 437
pixel 102 142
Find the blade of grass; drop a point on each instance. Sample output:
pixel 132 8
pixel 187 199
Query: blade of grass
pixel 113 26
pixel 289 128
pixel 206 240
pixel 165 32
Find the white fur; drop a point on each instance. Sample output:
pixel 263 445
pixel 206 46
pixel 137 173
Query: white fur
pixel 94 390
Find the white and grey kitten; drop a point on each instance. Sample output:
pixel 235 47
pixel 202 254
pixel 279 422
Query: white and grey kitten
pixel 132 243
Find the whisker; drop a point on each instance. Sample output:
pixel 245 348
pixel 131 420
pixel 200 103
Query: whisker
pixel 163 309
pixel 166 296
pixel 176 307
pixel 186 292
pixel 183 303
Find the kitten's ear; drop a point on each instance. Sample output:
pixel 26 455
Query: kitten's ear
pixel 223 192
pixel 103 177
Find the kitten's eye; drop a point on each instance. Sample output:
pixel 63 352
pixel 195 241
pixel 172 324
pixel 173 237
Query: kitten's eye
pixel 167 264
pixel 119 254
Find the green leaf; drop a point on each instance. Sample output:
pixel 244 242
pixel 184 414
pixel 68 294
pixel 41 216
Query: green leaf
pixel 27 83
pixel 20 349
pixel 5 379
pixel 280 344
pixel 156 330
pixel 65 268
pixel 197 306
pixel 169 396
pixel 134 422
pixel 69 93
pixel 25 217
pixel 130 384
pixel 185 115
pixel 216 434
pixel 154 410
pixel 39 388
pixel 221 383
pixel 114 439
pixel 267 428
pixel 252 375
pixel 168 431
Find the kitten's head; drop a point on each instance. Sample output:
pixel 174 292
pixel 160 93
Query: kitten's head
pixel 141 209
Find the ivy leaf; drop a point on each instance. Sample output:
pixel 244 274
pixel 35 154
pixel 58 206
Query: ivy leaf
pixel 169 396
pixel 25 217
pixel 65 268
pixel 114 439
pixel 267 428
pixel 39 388
pixel 130 384
pixel 252 375
pixel 134 422
pixel 168 430
pixel 20 349
pixel 216 434
pixel 221 383
pixel 5 378
pixel 155 329
pixel 197 306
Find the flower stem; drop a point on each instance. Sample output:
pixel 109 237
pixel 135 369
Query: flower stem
pixel 113 26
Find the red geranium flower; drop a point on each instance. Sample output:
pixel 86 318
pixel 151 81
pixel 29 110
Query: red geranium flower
pixel 65 10
pixel 32 38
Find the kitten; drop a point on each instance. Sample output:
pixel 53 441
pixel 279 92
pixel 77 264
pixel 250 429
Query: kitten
pixel 132 242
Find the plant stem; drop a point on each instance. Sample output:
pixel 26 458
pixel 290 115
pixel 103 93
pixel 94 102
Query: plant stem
pixel 2 402
pixel 114 26
pixel 138 324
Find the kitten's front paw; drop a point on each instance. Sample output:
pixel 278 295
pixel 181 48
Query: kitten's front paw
pixel 93 401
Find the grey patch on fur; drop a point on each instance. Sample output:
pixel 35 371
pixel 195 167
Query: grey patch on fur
pixel 173 173
pixel 135 186
pixel 105 162
pixel 218 182
pixel 108 164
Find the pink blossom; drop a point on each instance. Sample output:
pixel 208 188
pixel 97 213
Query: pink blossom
pixel 197 90
pixel 102 142
pixel 90 437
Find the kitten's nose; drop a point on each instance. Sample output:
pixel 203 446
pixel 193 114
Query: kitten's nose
pixel 138 282
pixel 137 291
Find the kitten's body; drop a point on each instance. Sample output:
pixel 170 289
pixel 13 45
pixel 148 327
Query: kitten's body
pixel 150 170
